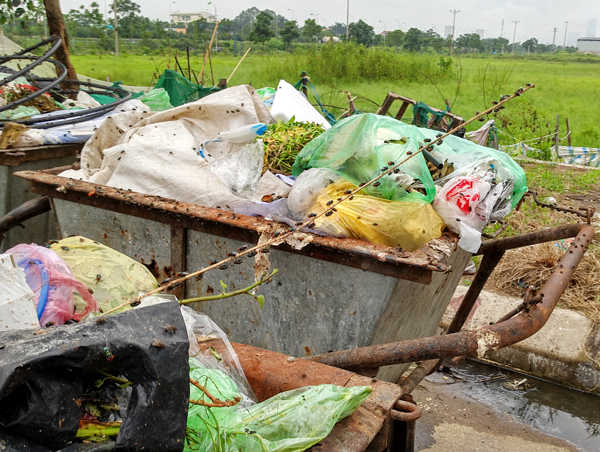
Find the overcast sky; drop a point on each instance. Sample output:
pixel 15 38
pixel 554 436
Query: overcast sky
pixel 537 18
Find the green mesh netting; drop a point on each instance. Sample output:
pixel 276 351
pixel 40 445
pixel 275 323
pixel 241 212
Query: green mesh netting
pixel 180 89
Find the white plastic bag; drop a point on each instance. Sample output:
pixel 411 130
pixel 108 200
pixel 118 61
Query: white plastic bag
pixel 289 103
pixel 457 204
pixel 17 300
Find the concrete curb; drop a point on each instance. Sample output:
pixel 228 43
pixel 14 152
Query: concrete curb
pixel 563 351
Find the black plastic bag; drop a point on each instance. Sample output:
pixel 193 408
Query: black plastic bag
pixel 41 377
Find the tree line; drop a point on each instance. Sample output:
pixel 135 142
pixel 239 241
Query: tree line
pixel 267 28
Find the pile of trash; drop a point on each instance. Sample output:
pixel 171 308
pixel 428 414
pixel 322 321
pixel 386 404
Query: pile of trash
pixel 234 150
pixel 157 376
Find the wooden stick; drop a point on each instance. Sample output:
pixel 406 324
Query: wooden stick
pixel 238 65
pixel 556 137
pixel 212 76
pixel 568 131
pixel 206 54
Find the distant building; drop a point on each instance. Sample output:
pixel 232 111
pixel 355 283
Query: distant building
pixel 572 38
pixel 480 32
pixel 186 18
pixel 588 45
pixel 447 31
pixel 591 28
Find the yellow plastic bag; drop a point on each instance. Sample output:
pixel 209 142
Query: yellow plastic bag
pixel 392 223
pixel 112 277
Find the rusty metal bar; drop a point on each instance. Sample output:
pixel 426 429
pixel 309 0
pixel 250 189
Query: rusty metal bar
pixel 23 212
pixel 476 342
pixel 413 379
pixel 487 266
pixel 532 238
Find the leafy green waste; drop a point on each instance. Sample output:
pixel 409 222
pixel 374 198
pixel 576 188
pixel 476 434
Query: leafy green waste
pixel 291 421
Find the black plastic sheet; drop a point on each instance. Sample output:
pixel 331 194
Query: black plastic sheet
pixel 41 377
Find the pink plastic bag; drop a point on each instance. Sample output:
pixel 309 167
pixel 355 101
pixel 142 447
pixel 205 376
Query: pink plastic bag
pixel 53 284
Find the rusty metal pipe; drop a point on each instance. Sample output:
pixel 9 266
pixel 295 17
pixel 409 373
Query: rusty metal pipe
pixel 23 212
pixel 476 342
pixel 533 238
pixel 413 379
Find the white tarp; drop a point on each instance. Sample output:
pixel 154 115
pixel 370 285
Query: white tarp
pixel 157 153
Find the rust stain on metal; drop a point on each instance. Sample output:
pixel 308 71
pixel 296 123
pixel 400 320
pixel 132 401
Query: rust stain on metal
pixel 405 411
pixel 416 266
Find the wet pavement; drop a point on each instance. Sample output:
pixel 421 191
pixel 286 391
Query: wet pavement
pixel 482 407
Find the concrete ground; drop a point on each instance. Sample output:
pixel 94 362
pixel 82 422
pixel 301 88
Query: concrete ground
pixel 452 421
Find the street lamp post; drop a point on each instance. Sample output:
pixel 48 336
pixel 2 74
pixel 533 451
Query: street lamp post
pixel 384 26
pixel 316 40
pixel 347 18
pixel 216 20
pixel 170 33
pixel 292 14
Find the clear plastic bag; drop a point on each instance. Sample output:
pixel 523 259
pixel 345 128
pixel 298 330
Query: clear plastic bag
pixel 53 284
pixel 210 347
pixel 392 223
pixel 241 170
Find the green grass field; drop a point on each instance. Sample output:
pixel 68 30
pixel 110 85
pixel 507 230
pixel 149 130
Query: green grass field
pixel 565 85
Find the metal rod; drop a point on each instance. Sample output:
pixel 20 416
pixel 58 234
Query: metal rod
pixel 23 212
pixel 532 238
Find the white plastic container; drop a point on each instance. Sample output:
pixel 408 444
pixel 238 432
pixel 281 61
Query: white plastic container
pixel 17 301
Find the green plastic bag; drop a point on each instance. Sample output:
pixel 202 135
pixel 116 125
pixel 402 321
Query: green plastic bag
pixel 19 113
pixel 291 421
pixel 359 147
pixel 156 99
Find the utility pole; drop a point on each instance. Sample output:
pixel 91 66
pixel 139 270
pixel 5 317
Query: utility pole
pixel 347 19
pixel 565 41
pixel 554 39
pixel 514 35
pixel 116 29
pixel 453 11
pixel 502 29
pixel 170 34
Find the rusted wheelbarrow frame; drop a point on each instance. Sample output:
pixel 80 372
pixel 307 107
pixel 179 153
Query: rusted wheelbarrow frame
pixel 515 327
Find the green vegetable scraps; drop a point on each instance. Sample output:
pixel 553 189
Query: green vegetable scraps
pixel 284 140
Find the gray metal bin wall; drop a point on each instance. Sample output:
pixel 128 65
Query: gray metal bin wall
pixel 15 191
pixel 333 294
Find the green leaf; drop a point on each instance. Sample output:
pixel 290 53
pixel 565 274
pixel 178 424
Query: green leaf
pixel 215 354
pixel 91 408
pixel 223 286
pixel 261 301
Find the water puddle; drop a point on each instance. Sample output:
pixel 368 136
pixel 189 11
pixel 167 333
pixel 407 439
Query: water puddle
pixel 555 410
